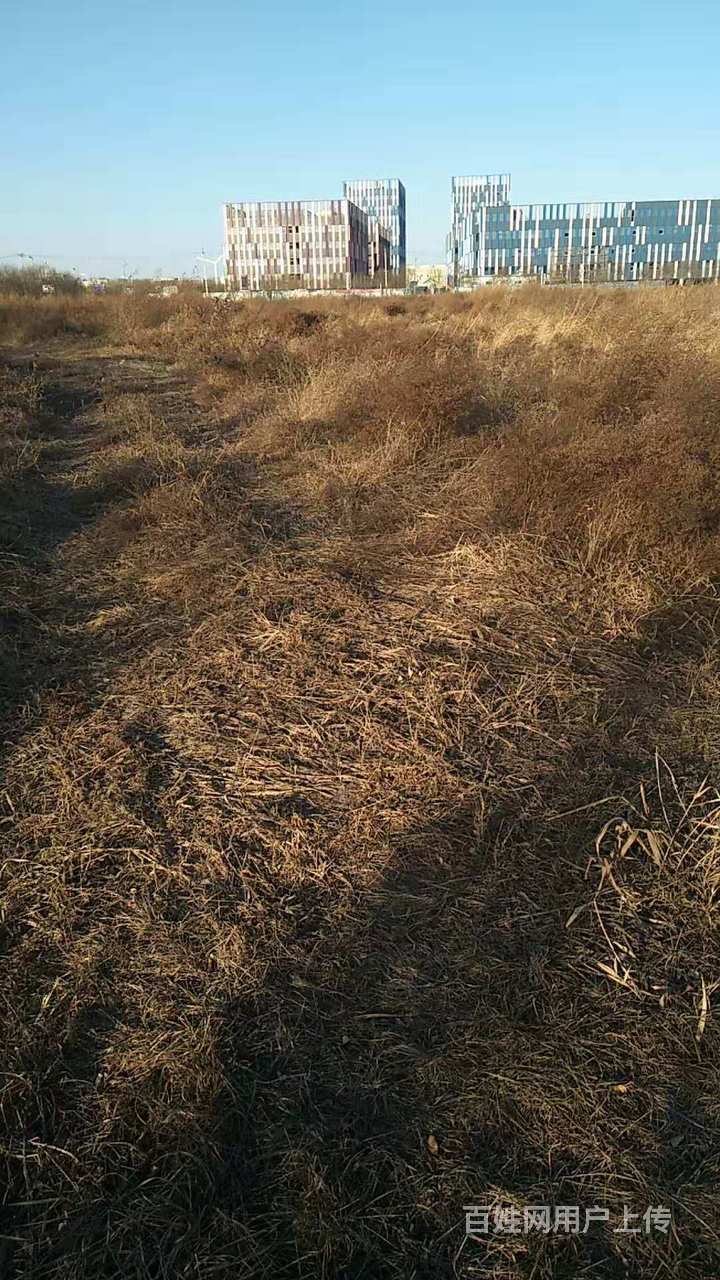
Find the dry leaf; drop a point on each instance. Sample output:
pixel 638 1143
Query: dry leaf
pixel 621 979
pixel 572 918
pixel 601 834
pixel 628 843
pixel 432 1145
pixel 655 849
pixel 703 1011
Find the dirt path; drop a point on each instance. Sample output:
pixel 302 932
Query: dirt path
pixel 73 386
pixel 50 501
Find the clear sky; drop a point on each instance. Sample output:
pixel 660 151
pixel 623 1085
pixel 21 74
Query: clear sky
pixel 124 124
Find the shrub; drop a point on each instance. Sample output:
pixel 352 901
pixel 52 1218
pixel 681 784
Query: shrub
pixel 34 281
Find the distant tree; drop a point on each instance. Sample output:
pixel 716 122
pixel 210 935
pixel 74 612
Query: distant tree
pixel 33 281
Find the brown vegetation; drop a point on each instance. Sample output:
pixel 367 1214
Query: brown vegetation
pixel 34 281
pixel 360 828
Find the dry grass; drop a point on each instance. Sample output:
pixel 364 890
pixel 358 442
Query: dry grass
pixel 360 823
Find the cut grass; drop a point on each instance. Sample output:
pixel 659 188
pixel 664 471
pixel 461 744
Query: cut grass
pixel 359 815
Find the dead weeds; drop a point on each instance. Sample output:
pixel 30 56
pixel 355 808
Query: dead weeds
pixel 359 818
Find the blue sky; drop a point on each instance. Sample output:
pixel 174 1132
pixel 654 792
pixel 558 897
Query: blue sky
pixel 125 125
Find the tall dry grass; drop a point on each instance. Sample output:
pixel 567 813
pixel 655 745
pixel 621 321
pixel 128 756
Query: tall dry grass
pixel 360 805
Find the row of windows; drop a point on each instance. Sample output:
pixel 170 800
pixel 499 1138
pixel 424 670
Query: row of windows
pixel 509 239
pixel 667 209
pixel 672 269
pixel 708 230
pixel 622 235
pixel 502 219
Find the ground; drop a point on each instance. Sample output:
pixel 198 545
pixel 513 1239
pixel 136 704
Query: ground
pixel 360 832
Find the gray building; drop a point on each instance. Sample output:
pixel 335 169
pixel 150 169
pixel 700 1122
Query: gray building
pixel 383 200
pixel 599 241
pixel 296 244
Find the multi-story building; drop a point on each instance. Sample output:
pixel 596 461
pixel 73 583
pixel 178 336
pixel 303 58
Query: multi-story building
pixel 383 200
pixel 305 244
pixel 612 241
pixel 379 253
pixel 470 198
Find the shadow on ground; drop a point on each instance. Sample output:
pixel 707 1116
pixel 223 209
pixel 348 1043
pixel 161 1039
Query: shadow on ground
pixel 448 1041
